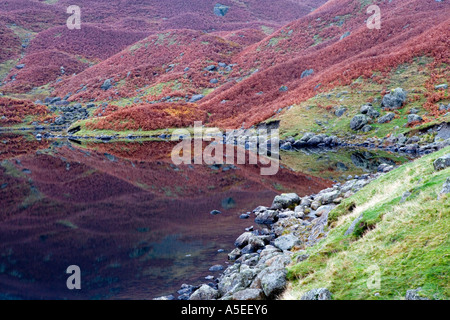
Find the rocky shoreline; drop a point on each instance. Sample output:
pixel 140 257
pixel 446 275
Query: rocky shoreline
pixel 417 144
pixel 289 226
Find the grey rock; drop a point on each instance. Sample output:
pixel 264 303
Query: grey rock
pixel 249 295
pixel 267 217
pixel 442 162
pixel 353 225
pixel 345 35
pixel 365 108
pixel 216 268
pixel 170 297
pixel 367 128
pixel 284 88
pixel 205 292
pixel 388 117
pixel 317 294
pixel 196 98
pixel 414 295
pixel 323 210
pixel 413 111
pixel 443 86
pixel 358 122
pixel 414 118
pixel 306 73
pixel 107 84
pixel 286 242
pixel 286 146
pixel 221 10
pixel 446 187
pixel 215 212
pixel 274 283
pixel 243 239
pixel 285 200
pixel 405 196
pixel 236 281
pixel 395 99
pixel 340 112
pixel 60 121
pixel 235 254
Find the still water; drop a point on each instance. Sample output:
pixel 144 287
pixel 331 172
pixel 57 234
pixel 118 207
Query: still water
pixel 136 225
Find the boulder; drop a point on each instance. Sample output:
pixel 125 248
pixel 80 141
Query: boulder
pixel 236 281
pixel 285 200
pixel 286 242
pixel 414 118
pixel 395 99
pixel 306 73
pixel 205 292
pixel 274 283
pixel 267 217
pixel 243 239
pixel 221 10
pixel 107 84
pixel 388 117
pixel 446 187
pixel 443 86
pixel 249 295
pixel 442 162
pixel 358 122
pixel 340 111
pixel 317 294
pixel 414 295
pixel 216 268
pixel 367 128
pixel 196 98
pixel 345 35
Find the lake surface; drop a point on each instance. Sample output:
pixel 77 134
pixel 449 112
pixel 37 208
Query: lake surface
pixel 137 225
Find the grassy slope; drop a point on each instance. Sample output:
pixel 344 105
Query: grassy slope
pixel 408 242
pixel 411 77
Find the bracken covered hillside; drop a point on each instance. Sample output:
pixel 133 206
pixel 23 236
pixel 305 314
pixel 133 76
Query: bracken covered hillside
pixel 32 27
pixel 233 72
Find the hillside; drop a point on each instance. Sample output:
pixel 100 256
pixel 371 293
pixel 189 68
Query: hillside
pixel 240 75
pixel 32 27
pixel 400 242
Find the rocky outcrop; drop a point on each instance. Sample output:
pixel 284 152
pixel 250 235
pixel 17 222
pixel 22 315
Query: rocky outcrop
pixel 395 99
pixel 260 258
pixel 358 122
pixel 442 162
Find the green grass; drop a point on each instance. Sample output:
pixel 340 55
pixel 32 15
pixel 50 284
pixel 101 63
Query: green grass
pixel 407 242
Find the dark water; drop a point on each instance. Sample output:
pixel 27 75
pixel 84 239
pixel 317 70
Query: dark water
pixel 136 225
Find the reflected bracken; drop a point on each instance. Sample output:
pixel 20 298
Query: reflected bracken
pixel 137 225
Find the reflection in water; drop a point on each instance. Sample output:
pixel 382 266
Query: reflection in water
pixel 137 225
